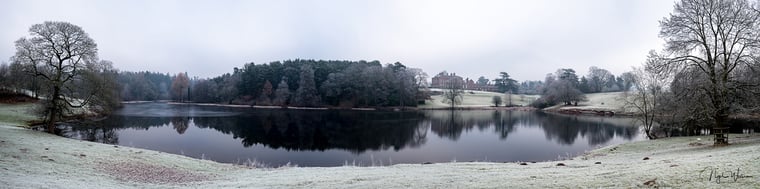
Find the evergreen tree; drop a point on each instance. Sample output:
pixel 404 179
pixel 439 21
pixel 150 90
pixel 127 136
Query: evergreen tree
pixel 306 94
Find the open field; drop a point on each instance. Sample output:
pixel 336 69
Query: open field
pixel 17 114
pixel 478 99
pixel 610 102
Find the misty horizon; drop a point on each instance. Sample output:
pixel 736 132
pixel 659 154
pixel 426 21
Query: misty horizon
pixel 481 38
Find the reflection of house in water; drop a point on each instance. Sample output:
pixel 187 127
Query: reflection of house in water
pixel 445 79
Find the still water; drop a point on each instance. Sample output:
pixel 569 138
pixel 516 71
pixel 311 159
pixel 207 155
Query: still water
pixel 275 137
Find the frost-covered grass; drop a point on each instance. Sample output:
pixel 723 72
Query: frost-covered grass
pixel 478 99
pixel 611 101
pixel 31 159
pixel 17 114
pixel 20 114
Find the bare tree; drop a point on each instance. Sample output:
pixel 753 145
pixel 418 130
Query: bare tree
pixel 57 52
pixel 180 84
pixel 452 95
pixel 598 78
pixel 421 91
pixel 716 37
pixel 649 86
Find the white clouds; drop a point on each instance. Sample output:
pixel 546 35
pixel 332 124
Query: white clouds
pixel 525 38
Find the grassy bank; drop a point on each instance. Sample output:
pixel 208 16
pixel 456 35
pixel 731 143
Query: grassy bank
pixel 17 114
pixel 478 99
pixel 31 159
pixel 606 102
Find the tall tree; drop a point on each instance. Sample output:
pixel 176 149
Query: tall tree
pixel 421 92
pixel 180 84
pixel 597 79
pixel 57 52
pixel 568 75
pixel 266 94
pixel 717 37
pixel 452 95
pixel 482 81
pixel 649 87
pixel 561 88
pixel 282 94
pixel 585 85
pixel 628 80
pixel 5 75
pixel 505 83
pixel 306 95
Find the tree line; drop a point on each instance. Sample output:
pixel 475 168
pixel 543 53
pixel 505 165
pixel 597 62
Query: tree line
pixel 58 63
pixel 308 83
pixel 566 87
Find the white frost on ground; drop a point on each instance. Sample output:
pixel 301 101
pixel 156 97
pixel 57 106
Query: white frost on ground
pixel 479 99
pixel 31 159
pixel 17 114
pixel 611 101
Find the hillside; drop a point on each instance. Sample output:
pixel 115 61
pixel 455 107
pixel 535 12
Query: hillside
pixel 608 102
pixel 477 99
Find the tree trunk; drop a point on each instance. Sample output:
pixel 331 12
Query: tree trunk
pixel 54 109
pixel 720 121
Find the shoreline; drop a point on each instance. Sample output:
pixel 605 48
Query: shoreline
pixel 393 108
pixel 60 162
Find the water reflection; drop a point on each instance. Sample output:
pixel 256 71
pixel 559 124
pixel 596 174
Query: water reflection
pixel 403 136
pixel 92 132
pixel 560 128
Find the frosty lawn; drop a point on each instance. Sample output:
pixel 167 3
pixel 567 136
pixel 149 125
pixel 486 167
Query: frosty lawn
pixel 472 99
pixel 31 159
pixel 17 114
pixel 611 101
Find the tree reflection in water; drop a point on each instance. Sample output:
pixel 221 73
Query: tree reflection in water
pixel 357 132
pixel 563 129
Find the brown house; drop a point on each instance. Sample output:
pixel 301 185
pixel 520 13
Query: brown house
pixel 444 79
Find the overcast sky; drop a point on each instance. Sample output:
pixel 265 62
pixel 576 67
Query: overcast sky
pixel 526 38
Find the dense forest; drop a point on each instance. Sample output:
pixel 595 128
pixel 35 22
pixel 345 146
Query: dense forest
pixel 307 83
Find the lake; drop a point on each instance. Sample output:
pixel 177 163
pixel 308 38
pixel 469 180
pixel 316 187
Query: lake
pixel 275 137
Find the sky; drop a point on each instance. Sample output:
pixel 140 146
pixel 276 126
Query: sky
pixel 525 38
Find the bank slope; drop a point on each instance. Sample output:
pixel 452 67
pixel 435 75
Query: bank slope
pixel 39 160
pixel 477 99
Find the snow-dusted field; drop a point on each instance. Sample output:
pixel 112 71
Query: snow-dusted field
pixel 17 114
pixel 478 99
pixel 611 101
pixel 31 159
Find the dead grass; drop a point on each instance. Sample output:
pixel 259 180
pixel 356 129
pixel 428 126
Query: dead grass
pixel 134 171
